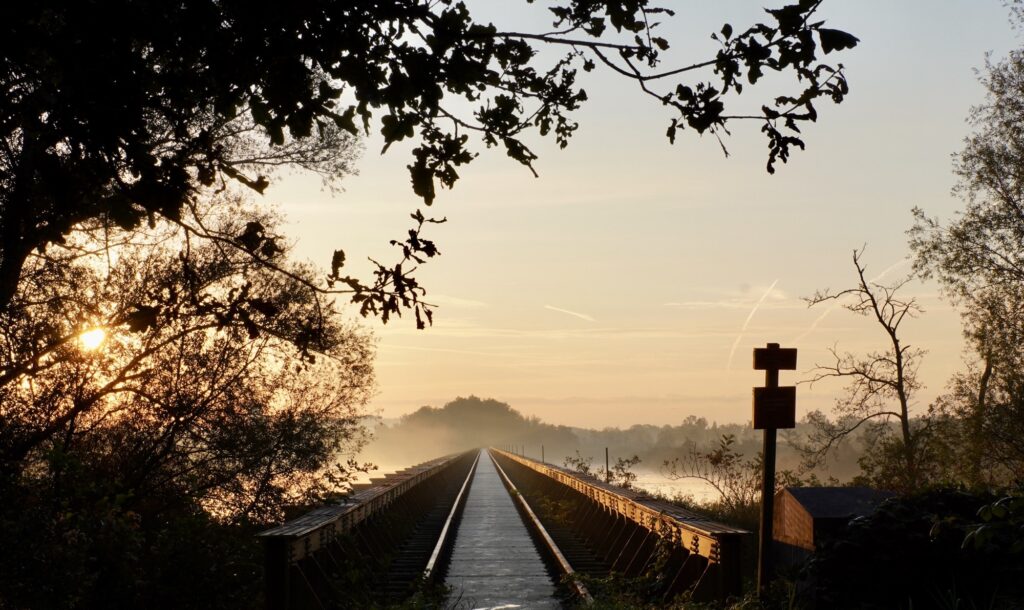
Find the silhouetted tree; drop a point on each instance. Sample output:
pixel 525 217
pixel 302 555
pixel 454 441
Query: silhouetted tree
pixel 735 477
pixel 622 471
pixel 127 110
pixel 880 387
pixel 461 424
pixel 233 393
pixel 177 314
pixel 579 464
pixel 978 260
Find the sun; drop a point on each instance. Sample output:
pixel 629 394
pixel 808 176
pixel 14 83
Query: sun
pixel 92 339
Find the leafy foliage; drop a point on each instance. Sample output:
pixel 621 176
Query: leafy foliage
pixel 912 552
pixel 977 259
pixel 579 464
pixel 127 110
pixel 222 392
pixel 734 476
pixel 622 473
pixel 1000 528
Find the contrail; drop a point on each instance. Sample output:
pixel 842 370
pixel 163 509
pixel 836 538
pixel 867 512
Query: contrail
pixel 581 316
pixel 814 324
pixel 746 322
pixel 891 268
pixel 824 314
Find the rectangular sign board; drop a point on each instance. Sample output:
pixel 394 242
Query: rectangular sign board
pixel 775 408
pixel 777 358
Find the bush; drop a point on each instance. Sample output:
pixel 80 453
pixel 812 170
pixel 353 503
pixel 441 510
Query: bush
pixel 911 553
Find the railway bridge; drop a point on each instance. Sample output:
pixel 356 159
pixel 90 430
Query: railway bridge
pixel 488 528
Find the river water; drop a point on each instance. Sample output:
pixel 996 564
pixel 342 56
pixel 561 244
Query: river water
pixel 657 483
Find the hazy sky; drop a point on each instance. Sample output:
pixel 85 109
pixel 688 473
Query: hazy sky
pixel 618 287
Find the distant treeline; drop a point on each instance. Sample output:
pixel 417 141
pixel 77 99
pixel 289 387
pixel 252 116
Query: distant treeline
pixel 470 422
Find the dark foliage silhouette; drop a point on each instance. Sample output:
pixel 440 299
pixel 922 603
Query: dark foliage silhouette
pixel 128 110
pixel 880 387
pixel 977 259
pixel 912 552
pixel 144 462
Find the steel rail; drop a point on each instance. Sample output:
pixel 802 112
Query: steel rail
pixel 443 537
pixel 563 563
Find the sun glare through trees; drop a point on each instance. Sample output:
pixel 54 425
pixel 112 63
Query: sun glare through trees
pixel 92 339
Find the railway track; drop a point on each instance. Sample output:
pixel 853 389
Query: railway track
pixel 505 554
pixel 566 556
pixel 485 529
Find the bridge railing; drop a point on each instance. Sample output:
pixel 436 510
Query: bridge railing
pixel 628 524
pixel 297 550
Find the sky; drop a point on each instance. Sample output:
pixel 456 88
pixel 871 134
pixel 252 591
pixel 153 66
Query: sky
pixel 629 283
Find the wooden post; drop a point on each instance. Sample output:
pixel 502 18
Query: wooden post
pixel 607 473
pixel 276 572
pixel 764 556
pixel 542 455
pixel 774 408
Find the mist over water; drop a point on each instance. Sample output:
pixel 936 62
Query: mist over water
pixel 472 422
pixel 650 481
pixel 468 423
pixel 657 483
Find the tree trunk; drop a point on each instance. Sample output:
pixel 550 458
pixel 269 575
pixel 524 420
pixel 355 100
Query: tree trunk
pixel 977 442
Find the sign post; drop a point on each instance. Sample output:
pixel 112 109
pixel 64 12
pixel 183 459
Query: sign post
pixel 774 408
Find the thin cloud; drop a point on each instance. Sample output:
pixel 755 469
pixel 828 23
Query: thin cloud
pixel 444 350
pixel 727 304
pixel 454 329
pixel 576 314
pixel 775 299
pixel 750 316
pixel 737 304
pixel 445 300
